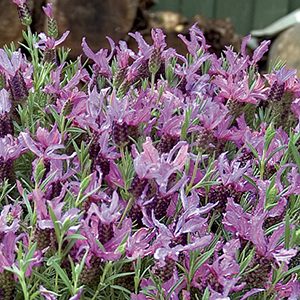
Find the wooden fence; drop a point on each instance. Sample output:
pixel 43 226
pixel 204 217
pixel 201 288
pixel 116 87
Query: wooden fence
pixel 245 14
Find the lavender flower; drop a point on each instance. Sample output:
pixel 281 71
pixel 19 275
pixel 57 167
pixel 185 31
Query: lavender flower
pixel 164 196
pixel 51 22
pixel 46 146
pixel 48 45
pixel 6 125
pixel 7 259
pixel 10 150
pixel 23 11
pixel 14 69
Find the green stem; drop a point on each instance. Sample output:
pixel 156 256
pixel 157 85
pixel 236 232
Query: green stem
pixel 152 82
pixel 190 186
pixel 262 166
pixel 127 209
pixel 24 288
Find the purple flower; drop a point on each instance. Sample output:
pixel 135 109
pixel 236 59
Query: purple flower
pixel 10 150
pixel 78 294
pixel 139 244
pixel 48 10
pixel 239 90
pixel 101 58
pixel 138 297
pixel 197 41
pixel 221 275
pixel 172 240
pixel 19 2
pixel 295 291
pixel 45 146
pixel 7 250
pixel 43 216
pixel 94 116
pixel 281 76
pixel 281 81
pixel 150 165
pixel 260 51
pixel 6 125
pixel 9 219
pixel 17 73
pixel 231 173
pixel 49 43
pixel 5 104
pixel 100 225
pixel 292 178
pixel 10 66
pixel 256 139
pixel 48 295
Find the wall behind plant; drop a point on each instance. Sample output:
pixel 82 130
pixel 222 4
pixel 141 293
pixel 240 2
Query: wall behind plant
pixel 245 14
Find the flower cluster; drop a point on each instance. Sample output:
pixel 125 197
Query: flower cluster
pixel 148 174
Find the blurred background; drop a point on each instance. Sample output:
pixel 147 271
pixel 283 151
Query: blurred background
pixel 223 22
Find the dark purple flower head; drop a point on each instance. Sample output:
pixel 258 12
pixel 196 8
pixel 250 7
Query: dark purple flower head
pixel 100 227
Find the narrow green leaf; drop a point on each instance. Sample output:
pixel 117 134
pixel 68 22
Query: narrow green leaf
pixel 202 260
pixel 253 150
pixel 206 294
pixel 75 236
pixel 121 288
pixel 186 123
pixel 62 274
pixel 295 153
pixel 287 232
pixel 55 223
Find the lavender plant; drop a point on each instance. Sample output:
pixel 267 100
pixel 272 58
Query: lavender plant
pixel 147 175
